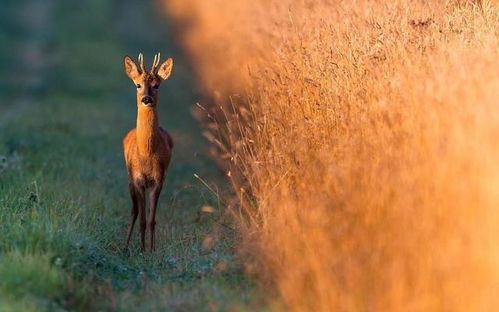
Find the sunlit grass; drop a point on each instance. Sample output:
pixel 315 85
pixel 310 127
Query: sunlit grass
pixel 362 139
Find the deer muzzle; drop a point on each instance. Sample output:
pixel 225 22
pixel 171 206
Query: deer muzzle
pixel 147 100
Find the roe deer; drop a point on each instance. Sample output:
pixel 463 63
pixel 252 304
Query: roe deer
pixel 148 147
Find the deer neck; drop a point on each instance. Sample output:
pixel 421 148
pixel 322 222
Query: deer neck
pixel 147 129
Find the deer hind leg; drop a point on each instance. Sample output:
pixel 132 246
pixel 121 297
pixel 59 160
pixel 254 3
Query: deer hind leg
pixel 153 202
pixel 134 214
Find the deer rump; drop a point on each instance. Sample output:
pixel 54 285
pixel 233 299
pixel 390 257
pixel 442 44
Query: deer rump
pixel 168 137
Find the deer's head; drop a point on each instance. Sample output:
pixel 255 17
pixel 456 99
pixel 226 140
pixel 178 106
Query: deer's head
pixel 147 83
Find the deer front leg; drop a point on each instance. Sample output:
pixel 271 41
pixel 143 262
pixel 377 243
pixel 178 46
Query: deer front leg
pixel 135 212
pixel 153 202
pixel 142 212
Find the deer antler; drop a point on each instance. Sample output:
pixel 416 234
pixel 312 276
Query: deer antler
pixel 155 63
pixel 141 61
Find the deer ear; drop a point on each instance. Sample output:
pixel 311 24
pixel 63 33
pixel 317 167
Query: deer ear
pixel 165 69
pixel 131 69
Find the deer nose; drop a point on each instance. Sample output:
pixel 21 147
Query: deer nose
pixel 147 99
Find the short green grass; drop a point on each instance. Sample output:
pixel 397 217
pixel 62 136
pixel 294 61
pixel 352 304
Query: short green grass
pixel 65 105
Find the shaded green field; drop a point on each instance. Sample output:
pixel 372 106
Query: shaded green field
pixel 65 105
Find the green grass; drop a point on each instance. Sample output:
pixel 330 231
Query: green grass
pixel 64 204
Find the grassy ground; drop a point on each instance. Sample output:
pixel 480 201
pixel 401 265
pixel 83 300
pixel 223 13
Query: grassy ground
pixel 65 105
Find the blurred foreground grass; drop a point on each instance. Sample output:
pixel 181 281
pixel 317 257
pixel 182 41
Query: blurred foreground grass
pixel 65 105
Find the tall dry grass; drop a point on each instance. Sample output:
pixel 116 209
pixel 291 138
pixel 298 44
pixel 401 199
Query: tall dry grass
pixel 363 139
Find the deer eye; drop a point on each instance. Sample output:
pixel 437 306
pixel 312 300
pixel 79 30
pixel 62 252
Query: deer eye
pixel 138 86
pixel 156 86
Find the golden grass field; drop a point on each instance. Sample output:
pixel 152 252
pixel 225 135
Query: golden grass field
pixel 362 139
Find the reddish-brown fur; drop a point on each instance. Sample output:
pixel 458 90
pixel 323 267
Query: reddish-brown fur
pixel 147 148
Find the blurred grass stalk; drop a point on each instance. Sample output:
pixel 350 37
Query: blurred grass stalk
pixel 367 135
